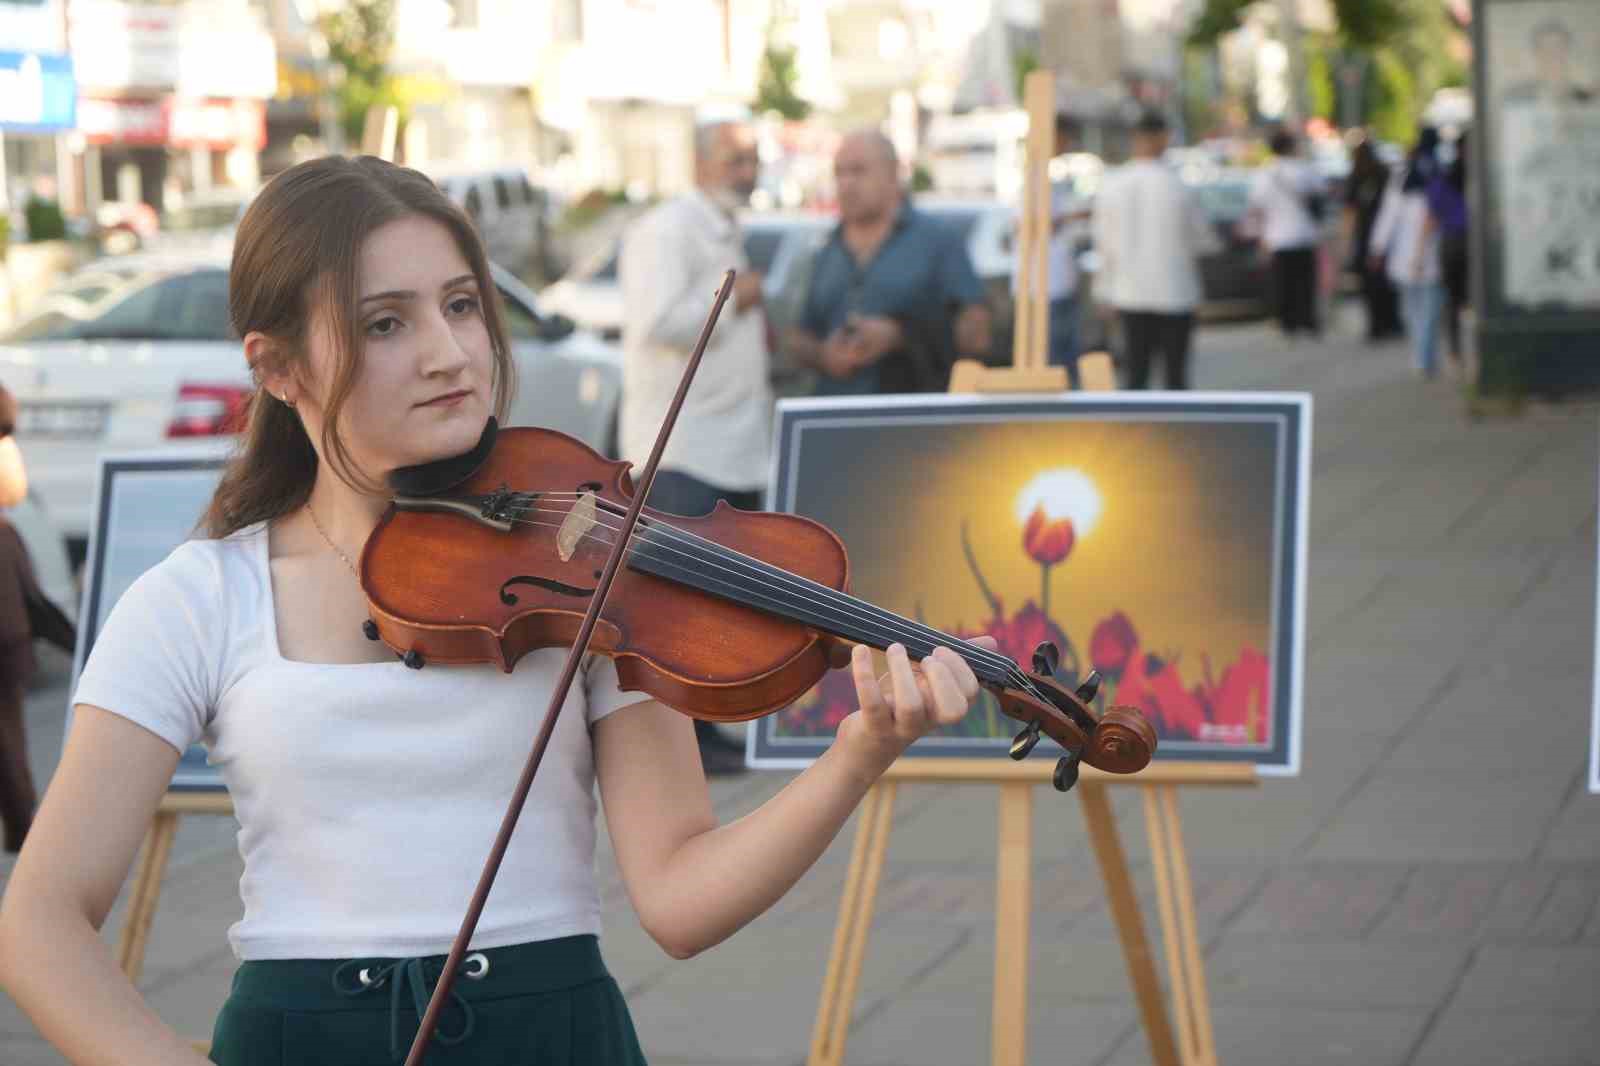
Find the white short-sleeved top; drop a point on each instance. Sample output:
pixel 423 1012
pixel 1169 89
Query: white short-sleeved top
pixel 1279 191
pixel 368 795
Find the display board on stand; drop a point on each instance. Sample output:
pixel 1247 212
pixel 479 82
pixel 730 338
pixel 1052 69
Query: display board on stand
pixel 1157 538
pixel 1594 707
pixel 146 505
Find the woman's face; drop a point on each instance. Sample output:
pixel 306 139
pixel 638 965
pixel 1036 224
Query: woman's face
pixel 424 381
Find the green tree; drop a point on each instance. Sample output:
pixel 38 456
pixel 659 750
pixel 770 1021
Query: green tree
pixel 1400 46
pixel 360 38
pixel 45 220
pixel 1023 63
pixel 775 86
pixel 1394 111
pixel 1363 23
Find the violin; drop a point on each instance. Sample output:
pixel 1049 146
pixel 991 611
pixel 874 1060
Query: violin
pixel 726 616
pixel 521 542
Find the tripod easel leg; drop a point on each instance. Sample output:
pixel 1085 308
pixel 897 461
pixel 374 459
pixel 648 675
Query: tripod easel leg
pixel 1175 897
pixel 856 904
pixel 1130 926
pixel 146 893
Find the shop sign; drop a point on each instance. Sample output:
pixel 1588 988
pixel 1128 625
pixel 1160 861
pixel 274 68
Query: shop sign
pixel 121 47
pixel 37 93
pixel 32 26
pixel 174 123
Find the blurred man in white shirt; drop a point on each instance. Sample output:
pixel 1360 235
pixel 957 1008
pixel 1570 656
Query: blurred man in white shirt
pixel 672 263
pixel 1284 206
pixel 1150 233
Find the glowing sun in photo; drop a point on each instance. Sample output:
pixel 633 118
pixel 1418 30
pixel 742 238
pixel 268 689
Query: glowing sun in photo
pixel 1062 493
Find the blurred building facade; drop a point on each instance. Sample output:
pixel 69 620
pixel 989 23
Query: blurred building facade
pixel 152 101
pixel 171 98
pixel 38 100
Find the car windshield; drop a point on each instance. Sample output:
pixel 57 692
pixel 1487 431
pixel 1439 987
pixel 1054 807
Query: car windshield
pixel 192 305
pixel 956 220
pixel 761 247
pixel 1224 201
pixel 193 217
pixel 78 299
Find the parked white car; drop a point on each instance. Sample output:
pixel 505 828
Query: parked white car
pixel 591 295
pixel 135 351
pixel 511 213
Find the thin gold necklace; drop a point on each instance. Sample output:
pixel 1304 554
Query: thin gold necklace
pixel 330 543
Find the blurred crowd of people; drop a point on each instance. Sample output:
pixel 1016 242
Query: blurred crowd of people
pixel 1411 240
pixel 892 299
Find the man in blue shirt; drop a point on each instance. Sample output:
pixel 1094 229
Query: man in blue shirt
pixel 893 298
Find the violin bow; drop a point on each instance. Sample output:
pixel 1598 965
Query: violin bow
pixel 558 697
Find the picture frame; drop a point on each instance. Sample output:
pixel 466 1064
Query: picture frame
pixel 146 505
pixel 907 482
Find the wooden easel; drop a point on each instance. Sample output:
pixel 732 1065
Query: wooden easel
pixel 146 894
pixel 1194 1044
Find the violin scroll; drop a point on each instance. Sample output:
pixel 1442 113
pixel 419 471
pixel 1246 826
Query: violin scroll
pixel 1119 741
pixel 1122 743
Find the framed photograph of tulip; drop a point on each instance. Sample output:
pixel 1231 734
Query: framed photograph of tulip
pixel 1158 538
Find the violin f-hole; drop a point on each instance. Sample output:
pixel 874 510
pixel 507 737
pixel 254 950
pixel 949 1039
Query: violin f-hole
pixel 509 598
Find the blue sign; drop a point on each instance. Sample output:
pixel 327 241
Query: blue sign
pixel 38 93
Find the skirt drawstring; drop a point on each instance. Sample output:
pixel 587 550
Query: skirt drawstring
pixel 371 975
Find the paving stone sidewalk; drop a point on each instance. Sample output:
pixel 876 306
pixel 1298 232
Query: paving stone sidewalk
pixel 1424 893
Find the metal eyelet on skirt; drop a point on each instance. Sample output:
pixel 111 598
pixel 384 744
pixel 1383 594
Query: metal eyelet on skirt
pixel 480 963
pixel 367 980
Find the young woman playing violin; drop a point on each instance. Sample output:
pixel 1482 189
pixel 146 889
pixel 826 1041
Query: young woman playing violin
pixel 367 793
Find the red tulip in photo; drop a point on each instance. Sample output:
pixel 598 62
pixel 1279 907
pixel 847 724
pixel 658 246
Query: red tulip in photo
pixel 1111 644
pixel 1047 542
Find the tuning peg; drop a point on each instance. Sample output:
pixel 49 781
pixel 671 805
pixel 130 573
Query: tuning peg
pixel 1090 687
pixel 1066 774
pixel 1024 741
pixel 1046 658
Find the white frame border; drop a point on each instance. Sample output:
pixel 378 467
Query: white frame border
pixel 933 401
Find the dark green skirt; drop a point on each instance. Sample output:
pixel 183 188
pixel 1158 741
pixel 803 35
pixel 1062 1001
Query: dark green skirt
pixel 548 1003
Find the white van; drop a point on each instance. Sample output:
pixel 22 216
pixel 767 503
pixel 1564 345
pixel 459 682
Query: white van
pixel 510 212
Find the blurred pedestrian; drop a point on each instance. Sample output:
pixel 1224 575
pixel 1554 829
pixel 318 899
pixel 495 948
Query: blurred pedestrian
pixel 1061 261
pixel 1447 200
pixel 893 300
pixel 1149 233
pixel 1287 203
pixel 672 263
pixel 25 613
pixel 1369 177
pixel 1406 237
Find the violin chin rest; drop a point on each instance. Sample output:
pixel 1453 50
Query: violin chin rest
pixel 442 475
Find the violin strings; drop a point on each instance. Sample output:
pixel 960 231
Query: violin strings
pixel 832 597
pixel 759 570
pixel 699 573
pixel 871 619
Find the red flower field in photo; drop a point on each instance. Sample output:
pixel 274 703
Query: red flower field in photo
pixel 1232 710
pixel 1112 644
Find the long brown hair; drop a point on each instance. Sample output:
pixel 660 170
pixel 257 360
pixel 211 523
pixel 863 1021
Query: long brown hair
pixel 297 252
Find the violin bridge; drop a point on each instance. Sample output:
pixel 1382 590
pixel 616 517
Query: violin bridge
pixel 579 521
